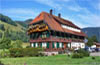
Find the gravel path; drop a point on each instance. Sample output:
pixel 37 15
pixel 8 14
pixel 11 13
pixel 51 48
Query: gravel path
pixel 95 54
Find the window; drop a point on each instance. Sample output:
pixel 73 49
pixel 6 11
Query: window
pixel 45 34
pixel 41 45
pixel 71 28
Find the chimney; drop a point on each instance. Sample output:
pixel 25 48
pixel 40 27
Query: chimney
pixel 51 12
pixel 59 15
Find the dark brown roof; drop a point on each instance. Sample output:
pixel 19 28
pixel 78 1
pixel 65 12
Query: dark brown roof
pixel 54 23
pixel 97 43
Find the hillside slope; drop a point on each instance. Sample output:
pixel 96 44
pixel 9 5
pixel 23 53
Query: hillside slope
pixel 13 31
pixel 17 28
pixel 91 31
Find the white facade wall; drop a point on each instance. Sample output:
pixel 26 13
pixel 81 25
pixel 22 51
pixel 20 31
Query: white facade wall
pixel 32 44
pixel 44 44
pixel 36 44
pixel 70 28
pixel 77 45
pixel 69 45
pixel 55 45
pixel 60 45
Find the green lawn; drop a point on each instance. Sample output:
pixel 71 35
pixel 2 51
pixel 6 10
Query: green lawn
pixel 51 60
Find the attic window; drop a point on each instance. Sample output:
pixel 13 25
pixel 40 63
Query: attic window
pixel 70 28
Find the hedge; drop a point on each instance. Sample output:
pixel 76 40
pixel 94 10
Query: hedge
pixel 85 53
pixel 77 55
pixel 80 54
pixel 22 52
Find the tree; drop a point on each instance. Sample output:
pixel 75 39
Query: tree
pixel 8 20
pixel 5 43
pixel 94 38
pixel 91 40
pixel 2 27
pixel 17 44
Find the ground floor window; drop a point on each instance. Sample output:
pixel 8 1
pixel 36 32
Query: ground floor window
pixel 47 44
pixel 60 45
pixel 44 45
pixel 57 45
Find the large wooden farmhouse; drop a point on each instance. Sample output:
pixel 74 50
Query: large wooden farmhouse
pixel 54 33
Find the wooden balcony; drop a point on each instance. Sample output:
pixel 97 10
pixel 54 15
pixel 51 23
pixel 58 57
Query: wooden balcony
pixel 55 39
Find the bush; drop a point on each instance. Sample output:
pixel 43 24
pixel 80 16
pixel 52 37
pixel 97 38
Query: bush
pixel 22 52
pixel 28 46
pixel 2 27
pixel 4 54
pixel 77 55
pixel 0 35
pixel 16 52
pixel 80 54
pixel 93 58
pixel 17 44
pixel 1 63
pixel 85 53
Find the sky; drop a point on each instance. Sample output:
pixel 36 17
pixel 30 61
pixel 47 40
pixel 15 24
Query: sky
pixel 83 13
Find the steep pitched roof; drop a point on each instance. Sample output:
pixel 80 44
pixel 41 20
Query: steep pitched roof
pixel 54 23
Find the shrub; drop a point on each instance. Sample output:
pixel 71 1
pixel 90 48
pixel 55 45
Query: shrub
pixel 2 27
pixel 77 55
pixel 85 53
pixel 21 52
pixel 1 63
pixel 53 54
pixel 93 58
pixel 4 54
pixel 16 52
pixel 17 44
pixel 80 54
pixel 28 46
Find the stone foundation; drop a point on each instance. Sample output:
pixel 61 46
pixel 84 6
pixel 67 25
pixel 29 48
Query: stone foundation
pixel 51 53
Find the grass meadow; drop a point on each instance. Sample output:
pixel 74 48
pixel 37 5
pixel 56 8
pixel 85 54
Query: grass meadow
pixel 51 60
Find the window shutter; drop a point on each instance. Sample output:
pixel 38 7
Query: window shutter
pixel 34 44
pixel 47 34
pixel 41 45
pixel 47 44
pixel 62 45
pixel 57 44
pixel 52 44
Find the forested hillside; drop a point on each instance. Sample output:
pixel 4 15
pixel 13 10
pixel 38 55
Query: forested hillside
pixel 12 29
pixel 92 31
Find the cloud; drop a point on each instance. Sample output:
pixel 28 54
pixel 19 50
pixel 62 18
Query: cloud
pixel 99 6
pixel 85 20
pixel 50 3
pixel 82 16
pixel 64 0
pixel 91 19
pixel 75 21
pixel 74 8
pixel 53 3
pixel 20 13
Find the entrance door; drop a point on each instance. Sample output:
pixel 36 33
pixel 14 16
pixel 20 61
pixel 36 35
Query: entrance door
pixel 65 45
